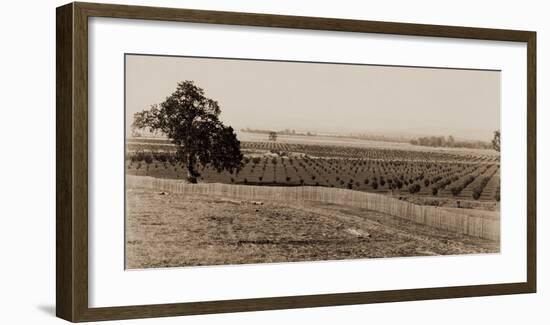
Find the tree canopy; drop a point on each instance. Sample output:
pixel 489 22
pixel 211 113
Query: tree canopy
pixel 191 121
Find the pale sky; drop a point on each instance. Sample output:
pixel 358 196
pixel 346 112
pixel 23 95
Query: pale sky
pixel 327 97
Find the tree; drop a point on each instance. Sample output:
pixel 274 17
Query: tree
pixel 191 121
pixel 272 136
pixel 135 133
pixel 450 141
pixel 496 141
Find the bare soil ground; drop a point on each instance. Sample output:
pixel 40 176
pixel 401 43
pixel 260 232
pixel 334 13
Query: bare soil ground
pixel 168 230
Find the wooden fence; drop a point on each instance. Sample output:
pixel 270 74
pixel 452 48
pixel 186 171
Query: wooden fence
pixel 477 226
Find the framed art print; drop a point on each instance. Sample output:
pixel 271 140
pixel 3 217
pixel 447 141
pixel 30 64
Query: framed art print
pixel 212 162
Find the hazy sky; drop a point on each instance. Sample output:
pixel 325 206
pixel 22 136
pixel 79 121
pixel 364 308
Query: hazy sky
pixel 327 97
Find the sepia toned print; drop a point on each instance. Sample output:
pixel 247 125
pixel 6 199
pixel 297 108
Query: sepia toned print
pixel 232 161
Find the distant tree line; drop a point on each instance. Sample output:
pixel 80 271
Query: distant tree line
pixel 358 136
pixel 373 137
pixel 281 132
pixel 441 141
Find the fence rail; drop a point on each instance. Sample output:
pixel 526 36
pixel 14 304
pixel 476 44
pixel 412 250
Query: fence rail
pixel 476 226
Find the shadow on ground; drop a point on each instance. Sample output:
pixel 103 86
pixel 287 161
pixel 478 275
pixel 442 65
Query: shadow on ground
pixel 47 309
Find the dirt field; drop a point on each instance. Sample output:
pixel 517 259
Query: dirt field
pixel 176 230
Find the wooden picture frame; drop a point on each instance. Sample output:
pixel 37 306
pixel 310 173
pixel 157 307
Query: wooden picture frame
pixel 72 161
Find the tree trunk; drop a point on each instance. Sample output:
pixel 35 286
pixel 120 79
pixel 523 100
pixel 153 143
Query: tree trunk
pixel 192 174
pixel 191 178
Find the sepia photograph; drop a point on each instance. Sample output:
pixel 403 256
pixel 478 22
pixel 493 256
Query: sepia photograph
pixel 245 161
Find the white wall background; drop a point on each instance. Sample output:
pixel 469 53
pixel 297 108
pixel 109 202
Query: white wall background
pixel 27 161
